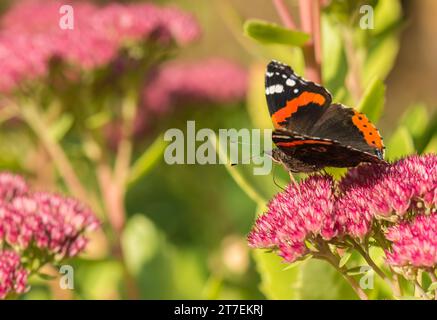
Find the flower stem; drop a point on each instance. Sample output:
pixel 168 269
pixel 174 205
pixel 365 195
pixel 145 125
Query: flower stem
pixel 310 23
pixel 113 183
pixel 418 290
pixel 310 20
pixel 334 261
pixel 33 118
pixel 395 288
pixel 284 14
pixel 434 279
pixel 326 254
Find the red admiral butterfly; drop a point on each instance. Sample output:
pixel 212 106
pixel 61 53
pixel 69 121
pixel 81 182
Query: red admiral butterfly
pixel 312 133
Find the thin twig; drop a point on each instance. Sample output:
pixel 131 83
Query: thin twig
pixel 310 23
pixel 33 118
pixel 284 14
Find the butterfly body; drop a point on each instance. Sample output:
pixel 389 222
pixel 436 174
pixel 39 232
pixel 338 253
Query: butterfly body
pixel 312 133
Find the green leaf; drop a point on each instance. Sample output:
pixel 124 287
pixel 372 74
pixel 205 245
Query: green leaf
pixel 60 128
pixel 277 283
pixel 256 102
pixel 416 119
pixel 334 60
pixel 432 146
pixel 266 32
pixel 400 144
pixel 433 286
pixel 372 102
pixel 45 276
pixel 140 242
pixel 345 258
pixel 298 262
pixel 99 279
pixel 212 288
pixel 98 120
pixel 427 139
pixel 147 160
pixel 387 12
pixel 356 271
pixel 385 40
pixel 321 281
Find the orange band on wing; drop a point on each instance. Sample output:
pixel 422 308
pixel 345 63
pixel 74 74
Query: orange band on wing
pixel 371 134
pixel 293 105
pixel 301 142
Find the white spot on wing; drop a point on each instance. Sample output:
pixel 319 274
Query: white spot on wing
pixel 279 88
pixel 290 82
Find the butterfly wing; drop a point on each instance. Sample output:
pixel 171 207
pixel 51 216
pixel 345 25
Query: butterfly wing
pixel 311 129
pixel 294 103
pixel 349 128
pixel 320 152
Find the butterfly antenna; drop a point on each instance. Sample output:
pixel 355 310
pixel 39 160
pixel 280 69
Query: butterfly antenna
pixel 274 179
pixel 292 178
pixel 247 158
pixel 245 143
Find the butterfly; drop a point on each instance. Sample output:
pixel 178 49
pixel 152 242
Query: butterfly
pixel 311 132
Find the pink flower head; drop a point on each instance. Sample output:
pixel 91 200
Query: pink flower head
pixel 13 277
pixel 376 191
pixel 317 207
pixel 49 222
pixel 11 186
pixel 31 35
pixel 414 243
pixel 214 80
pixel 299 213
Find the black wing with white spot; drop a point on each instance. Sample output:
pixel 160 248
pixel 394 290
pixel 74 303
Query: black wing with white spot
pixel 293 102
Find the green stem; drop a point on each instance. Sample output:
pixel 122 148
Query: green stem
pixel 434 279
pixel 325 253
pixel 334 261
pixel 238 178
pixel 375 267
pixel 32 116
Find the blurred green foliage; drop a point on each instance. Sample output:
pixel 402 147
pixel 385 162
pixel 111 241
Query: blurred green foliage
pixel 180 216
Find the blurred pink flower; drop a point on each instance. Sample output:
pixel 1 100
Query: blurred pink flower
pixel 299 213
pixel 48 222
pixel 213 80
pixel 414 243
pixel 31 36
pixel 11 186
pixel 13 277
